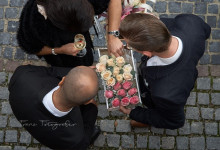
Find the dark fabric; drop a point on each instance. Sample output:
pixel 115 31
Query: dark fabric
pixel 27 87
pixel 99 5
pixel 35 32
pixel 168 87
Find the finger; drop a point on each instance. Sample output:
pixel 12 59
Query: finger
pixel 93 67
pixel 116 54
pixel 120 52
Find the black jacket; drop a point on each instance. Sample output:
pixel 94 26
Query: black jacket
pixel 35 32
pixel 169 86
pixel 28 86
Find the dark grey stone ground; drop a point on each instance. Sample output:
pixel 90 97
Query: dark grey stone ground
pixel 202 127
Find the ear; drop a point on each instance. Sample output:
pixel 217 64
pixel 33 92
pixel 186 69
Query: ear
pixel 147 53
pixel 61 82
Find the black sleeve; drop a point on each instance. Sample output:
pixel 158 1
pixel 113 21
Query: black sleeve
pixel 99 5
pixel 164 115
pixel 89 114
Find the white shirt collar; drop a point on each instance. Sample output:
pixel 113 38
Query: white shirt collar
pixel 48 103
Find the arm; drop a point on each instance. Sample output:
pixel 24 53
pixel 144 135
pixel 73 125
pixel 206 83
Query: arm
pixel 114 12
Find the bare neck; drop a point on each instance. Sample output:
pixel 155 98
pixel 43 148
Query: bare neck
pixel 58 101
pixel 171 50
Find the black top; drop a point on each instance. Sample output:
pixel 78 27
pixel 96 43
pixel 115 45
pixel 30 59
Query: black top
pixel 169 86
pixel 28 86
pixel 35 32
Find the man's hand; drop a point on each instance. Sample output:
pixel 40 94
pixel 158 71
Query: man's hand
pixel 69 49
pixel 125 110
pixel 115 46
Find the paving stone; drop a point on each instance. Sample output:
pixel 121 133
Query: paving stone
pixel 215 34
pixel 215 98
pixel 11 136
pixel 161 7
pixel 213 142
pixel 9 77
pixel 205 59
pixel 107 125
pixel 192 113
pixel 19 54
pixel 203 83
pixel 214 46
pixel 113 140
pixel 1 68
pixel 3 121
pixel 141 141
pixel 200 8
pixel 4 3
pixel 163 16
pixel 203 98
pixel 185 130
pixel 100 141
pixel 4 94
pixel 6 108
pixel 1 13
pixel 207 113
pixel 197 143
pixel 11 13
pixel 1 136
pixel 171 132
pixel 215 70
pixel 174 7
pixel 191 99
pixel 168 142
pixel 14 41
pixel 187 8
pixel 35 141
pixel 182 142
pixel 25 137
pixel 5 148
pixel 12 65
pixel 157 130
pixel 2 77
pixel 5 38
pixel 203 71
pixel 218 23
pixel 197 127
pixel 211 128
pixel 101 96
pixel 13 26
pixel 217 114
pixel 141 130
pixel 20 148
pixel 17 3
pixel 117 114
pixel 8 52
pixel 127 141
pixel 102 111
pixel 123 126
pixel 2 23
pixel 216 84
pixel 154 142
pixel 100 83
pixel 13 122
pixel 211 20
pixel 32 57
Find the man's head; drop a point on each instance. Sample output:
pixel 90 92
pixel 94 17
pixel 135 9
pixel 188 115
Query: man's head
pixel 79 86
pixel 72 15
pixel 145 32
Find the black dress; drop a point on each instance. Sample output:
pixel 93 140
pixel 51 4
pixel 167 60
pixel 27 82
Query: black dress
pixel 35 32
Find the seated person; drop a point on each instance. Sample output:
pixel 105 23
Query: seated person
pixel 172 49
pixel 57 110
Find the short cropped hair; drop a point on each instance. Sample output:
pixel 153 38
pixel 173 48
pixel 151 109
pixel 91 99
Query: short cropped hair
pixel 71 15
pixel 145 32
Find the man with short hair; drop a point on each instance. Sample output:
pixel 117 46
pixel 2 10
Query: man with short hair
pixel 55 105
pixel 172 49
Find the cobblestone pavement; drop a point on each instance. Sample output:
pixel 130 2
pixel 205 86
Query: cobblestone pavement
pixel 202 127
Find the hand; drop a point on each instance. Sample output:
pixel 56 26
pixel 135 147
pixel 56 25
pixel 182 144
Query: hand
pixel 92 67
pixel 92 101
pixel 115 46
pixel 69 49
pixel 125 110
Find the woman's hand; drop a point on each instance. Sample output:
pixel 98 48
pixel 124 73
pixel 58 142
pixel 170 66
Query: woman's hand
pixel 69 49
pixel 115 46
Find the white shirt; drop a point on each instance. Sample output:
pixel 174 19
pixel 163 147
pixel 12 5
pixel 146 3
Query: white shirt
pixel 48 103
pixel 158 61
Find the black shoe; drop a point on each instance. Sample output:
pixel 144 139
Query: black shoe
pixel 95 134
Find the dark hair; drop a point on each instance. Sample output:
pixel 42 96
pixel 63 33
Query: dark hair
pixel 145 32
pixel 72 15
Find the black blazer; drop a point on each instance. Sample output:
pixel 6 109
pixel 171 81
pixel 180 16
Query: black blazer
pixel 28 86
pixel 169 86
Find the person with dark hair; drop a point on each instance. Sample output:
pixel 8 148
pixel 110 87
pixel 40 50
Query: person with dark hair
pixel 55 105
pixel 172 48
pixel 48 27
